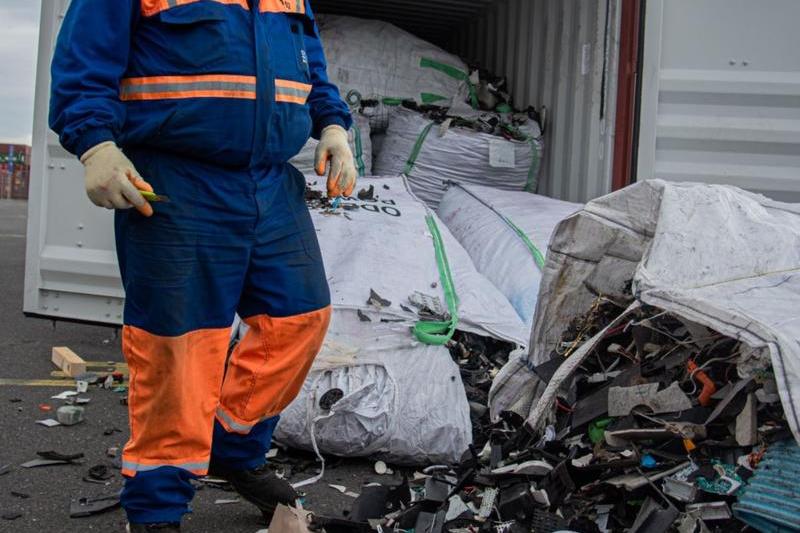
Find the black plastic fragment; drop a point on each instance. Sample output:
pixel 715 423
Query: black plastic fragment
pixel 56 456
pixel 367 194
pixel 329 399
pixel 99 473
pixel 545 522
pixel 83 507
pixel 430 522
pixel 376 300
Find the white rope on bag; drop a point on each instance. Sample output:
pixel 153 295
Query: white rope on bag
pixel 311 402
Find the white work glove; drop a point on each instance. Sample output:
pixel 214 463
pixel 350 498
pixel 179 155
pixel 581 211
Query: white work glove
pixel 112 181
pixel 333 147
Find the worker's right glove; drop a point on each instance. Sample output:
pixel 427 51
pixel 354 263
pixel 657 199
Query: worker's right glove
pixel 112 181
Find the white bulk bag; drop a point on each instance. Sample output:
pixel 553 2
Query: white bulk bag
pixel 711 254
pixel 506 235
pixel 385 244
pixel 379 60
pixel 401 400
pixel 360 144
pixel 415 146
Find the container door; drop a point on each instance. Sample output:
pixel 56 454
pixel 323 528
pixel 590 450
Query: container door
pixel 721 94
pixel 71 269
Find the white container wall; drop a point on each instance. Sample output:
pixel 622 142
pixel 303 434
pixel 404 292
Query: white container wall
pixel 721 94
pixel 560 55
pixel 71 268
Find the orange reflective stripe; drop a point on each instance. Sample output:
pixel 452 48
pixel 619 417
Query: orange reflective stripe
pixel 283 6
pixel 154 7
pixel 174 391
pixel 292 92
pixel 204 86
pixel 130 468
pixel 291 99
pixel 289 84
pixel 268 367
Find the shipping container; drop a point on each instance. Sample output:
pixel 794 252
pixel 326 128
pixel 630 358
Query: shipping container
pixel 15 171
pixel 701 90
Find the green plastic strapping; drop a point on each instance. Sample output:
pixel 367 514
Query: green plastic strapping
pixel 535 252
pixel 538 256
pixel 450 70
pixel 391 101
pixel 439 333
pixel 454 73
pixel 412 159
pixel 359 155
pixel 430 98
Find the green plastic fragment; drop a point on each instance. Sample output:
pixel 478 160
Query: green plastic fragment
pixel 597 429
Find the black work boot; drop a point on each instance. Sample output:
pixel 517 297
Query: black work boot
pixel 166 527
pixel 259 486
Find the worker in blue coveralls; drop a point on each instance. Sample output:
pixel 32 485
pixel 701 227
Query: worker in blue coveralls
pixel 204 102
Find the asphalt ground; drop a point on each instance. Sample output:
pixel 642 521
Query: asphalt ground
pixel 25 349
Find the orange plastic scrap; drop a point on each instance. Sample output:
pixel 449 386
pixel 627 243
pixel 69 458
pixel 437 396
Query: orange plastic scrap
pixel 709 388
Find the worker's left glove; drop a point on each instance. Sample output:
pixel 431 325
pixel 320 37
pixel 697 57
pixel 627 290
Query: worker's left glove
pixel 334 147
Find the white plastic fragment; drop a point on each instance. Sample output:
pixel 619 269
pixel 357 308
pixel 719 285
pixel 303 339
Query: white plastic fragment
pixel 381 468
pixel 528 468
pixel 455 508
pixel 67 394
pixel 487 503
pixel 622 400
pixel 48 422
pixel 583 461
pixel 69 415
pixel 344 490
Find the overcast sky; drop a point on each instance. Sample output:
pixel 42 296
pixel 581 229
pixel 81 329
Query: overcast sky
pixel 19 34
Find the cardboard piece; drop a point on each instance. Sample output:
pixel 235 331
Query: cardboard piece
pixel 290 520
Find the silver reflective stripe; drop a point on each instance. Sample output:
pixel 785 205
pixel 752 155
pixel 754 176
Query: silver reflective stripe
pixel 232 423
pixel 136 467
pixel 288 91
pixel 127 90
pixel 172 3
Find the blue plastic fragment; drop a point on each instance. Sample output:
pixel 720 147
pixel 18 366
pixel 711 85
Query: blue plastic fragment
pixel 648 461
pixel 770 502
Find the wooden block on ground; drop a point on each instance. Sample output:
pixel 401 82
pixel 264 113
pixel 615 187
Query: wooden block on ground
pixel 68 361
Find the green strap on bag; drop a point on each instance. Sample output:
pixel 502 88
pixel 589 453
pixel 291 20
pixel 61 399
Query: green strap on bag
pixel 412 159
pixel 454 73
pixel 439 333
pixel 538 256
